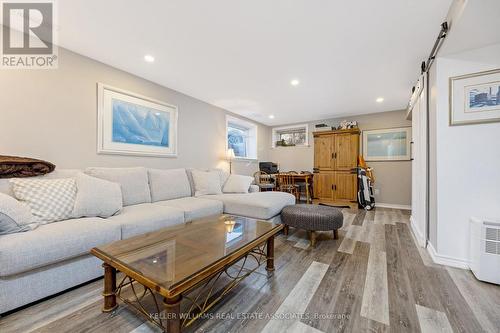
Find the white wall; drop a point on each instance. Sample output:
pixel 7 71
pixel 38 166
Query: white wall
pixel 467 159
pixel 393 178
pixel 51 114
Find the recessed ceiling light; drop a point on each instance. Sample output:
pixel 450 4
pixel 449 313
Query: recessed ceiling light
pixel 271 116
pixel 149 58
pixel 379 100
pixel 295 82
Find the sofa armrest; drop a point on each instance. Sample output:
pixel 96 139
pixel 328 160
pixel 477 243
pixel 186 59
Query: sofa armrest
pixel 253 188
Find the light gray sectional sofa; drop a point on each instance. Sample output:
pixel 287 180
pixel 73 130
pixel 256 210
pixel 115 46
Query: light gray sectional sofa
pixel 55 256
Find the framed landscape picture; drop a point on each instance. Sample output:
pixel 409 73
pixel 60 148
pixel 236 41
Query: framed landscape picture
pixel 475 98
pixel 130 124
pixel 392 144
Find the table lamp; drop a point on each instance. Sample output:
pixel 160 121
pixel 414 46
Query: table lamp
pixel 230 157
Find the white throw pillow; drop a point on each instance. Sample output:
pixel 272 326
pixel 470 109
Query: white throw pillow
pixel 14 216
pixel 134 182
pixel 50 200
pixel 206 182
pixel 96 197
pixel 237 184
pixel 224 175
pixel 168 184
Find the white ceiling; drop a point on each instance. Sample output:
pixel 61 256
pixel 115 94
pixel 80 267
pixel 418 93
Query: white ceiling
pixel 478 25
pixel 241 55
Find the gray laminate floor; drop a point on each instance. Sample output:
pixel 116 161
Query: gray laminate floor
pixel 372 279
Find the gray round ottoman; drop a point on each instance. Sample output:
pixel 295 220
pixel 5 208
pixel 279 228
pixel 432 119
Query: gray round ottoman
pixel 312 218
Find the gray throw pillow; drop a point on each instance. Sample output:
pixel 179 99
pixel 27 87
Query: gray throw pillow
pixel 14 216
pixel 96 197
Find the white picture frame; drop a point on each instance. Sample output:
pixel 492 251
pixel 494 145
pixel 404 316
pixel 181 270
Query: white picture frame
pixel 132 124
pixel 391 144
pixel 475 98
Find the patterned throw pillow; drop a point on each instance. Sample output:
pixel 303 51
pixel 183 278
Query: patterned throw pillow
pixel 50 200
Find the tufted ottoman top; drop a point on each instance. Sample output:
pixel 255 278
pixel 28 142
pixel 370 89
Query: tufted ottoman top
pixel 312 217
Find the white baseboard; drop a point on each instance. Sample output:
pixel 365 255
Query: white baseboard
pixel 417 234
pixel 446 260
pixel 393 206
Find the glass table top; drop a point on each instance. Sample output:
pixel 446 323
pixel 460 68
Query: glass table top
pixel 171 255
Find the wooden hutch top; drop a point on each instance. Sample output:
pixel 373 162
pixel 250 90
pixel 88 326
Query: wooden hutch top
pixel 341 131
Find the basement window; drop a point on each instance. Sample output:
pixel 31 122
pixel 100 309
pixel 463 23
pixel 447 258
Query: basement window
pixel 241 137
pixel 291 136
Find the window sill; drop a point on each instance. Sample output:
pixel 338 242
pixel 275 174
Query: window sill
pixel 288 147
pixel 244 159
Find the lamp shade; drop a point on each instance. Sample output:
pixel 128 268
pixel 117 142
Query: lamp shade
pixel 230 154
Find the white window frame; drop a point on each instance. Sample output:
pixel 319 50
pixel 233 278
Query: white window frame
pixel 251 144
pixel 276 134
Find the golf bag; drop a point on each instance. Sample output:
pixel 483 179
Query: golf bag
pixel 366 199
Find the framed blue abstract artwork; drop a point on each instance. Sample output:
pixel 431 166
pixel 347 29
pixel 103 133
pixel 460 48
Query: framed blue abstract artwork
pixel 475 98
pixel 130 124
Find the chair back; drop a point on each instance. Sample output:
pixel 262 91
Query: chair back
pixel 285 181
pixel 262 177
pixel 256 177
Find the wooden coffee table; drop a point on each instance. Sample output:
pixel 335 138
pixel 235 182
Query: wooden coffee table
pixel 185 263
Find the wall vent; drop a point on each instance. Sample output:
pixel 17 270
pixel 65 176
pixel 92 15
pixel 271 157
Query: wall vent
pixel 491 247
pixel 492 234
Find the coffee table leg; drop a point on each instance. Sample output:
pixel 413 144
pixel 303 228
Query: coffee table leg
pixel 109 288
pixel 270 254
pixel 173 311
pixel 312 237
pixel 285 230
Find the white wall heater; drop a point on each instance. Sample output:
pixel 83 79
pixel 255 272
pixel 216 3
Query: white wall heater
pixel 484 255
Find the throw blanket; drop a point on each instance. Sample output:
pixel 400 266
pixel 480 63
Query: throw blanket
pixel 13 166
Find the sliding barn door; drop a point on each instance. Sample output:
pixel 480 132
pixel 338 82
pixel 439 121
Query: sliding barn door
pixel 419 163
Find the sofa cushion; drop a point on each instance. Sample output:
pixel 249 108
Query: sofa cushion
pixel 194 208
pixel 54 242
pixel 134 182
pixel 206 182
pixel 96 197
pixel 143 218
pixel 223 174
pixel 168 184
pixel 253 188
pixel 237 184
pixel 260 205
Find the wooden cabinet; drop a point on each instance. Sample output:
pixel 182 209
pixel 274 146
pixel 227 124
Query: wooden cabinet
pixel 323 183
pixel 346 148
pixel 345 186
pixel 323 150
pixel 335 160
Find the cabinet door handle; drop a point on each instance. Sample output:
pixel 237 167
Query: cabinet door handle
pixel 334 187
